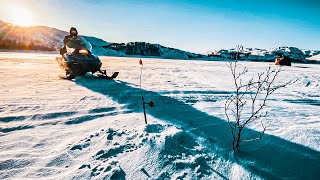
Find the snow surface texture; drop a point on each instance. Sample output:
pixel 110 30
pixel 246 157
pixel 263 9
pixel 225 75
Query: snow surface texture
pixel 93 128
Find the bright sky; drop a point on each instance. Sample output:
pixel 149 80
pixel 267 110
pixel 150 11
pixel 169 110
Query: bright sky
pixel 193 25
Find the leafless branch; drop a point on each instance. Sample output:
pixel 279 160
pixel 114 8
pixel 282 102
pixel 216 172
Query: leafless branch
pixel 247 104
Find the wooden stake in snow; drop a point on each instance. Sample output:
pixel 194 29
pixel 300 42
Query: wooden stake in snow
pixel 150 103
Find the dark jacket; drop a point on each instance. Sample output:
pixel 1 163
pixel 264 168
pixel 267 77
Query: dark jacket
pixel 70 35
pixel 66 39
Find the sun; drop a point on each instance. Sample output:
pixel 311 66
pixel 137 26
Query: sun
pixel 21 16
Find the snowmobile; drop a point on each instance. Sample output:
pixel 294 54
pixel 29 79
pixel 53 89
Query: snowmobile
pixel 79 60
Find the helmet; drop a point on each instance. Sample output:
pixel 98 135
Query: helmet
pixel 73 31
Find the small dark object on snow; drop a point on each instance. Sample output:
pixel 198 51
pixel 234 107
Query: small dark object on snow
pixel 151 103
pixel 284 61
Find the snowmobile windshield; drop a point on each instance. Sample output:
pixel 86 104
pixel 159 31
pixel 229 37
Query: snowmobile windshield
pixel 78 43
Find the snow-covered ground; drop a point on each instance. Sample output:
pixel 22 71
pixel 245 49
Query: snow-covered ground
pixel 93 128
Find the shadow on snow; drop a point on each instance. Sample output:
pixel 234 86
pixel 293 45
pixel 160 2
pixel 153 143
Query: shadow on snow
pixel 272 157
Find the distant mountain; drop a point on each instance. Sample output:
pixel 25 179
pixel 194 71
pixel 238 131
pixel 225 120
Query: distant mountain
pixel 30 38
pixel 44 38
pixel 50 39
pixel 269 55
pixel 148 49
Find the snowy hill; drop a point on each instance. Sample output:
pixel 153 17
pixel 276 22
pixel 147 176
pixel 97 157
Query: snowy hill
pixel 30 38
pixel 269 55
pixel 51 39
pixel 315 57
pixel 148 49
pixel 37 38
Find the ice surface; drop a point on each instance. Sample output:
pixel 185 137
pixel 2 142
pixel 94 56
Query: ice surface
pixel 93 128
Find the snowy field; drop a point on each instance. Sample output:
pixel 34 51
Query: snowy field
pixel 94 128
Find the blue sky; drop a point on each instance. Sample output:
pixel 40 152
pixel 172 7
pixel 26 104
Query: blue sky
pixel 197 26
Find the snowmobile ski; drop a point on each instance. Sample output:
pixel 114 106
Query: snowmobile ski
pixel 105 76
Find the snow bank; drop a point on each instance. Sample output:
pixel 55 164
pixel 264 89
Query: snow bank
pixel 316 57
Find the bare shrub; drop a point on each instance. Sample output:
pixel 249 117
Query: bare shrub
pixel 247 104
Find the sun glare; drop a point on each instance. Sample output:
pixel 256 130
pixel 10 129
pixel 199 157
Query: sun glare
pixel 21 17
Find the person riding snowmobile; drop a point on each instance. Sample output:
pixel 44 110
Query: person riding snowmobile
pixel 77 58
pixel 72 33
